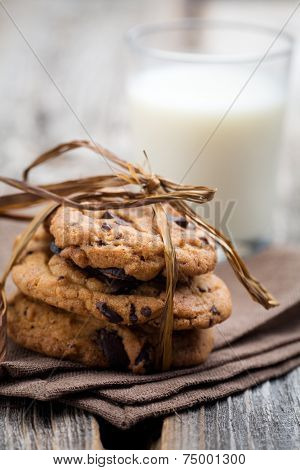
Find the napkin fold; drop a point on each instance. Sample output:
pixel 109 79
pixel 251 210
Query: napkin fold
pixel 254 345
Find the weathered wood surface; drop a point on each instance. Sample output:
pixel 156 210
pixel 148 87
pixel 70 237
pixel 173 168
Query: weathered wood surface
pixel 264 417
pixel 31 425
pixel 80 45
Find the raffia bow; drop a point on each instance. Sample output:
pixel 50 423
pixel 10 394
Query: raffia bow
pixel 89 194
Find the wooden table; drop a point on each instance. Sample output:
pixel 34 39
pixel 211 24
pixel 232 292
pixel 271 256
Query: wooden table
pixel 79 44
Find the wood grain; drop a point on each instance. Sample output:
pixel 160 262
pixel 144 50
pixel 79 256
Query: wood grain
pixel 46 426
pixel 264 417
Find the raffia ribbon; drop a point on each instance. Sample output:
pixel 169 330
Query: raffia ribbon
pixel 89 194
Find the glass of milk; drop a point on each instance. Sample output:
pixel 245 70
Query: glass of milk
pixel 206 103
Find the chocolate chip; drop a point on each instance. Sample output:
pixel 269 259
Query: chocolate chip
pixel 101 243
pixel 120 221
pixel 142 258
pixel 29 252
pixel 181 221
pixel 116 286
pixel 119 288
pixel 204 241
pixel 113 348
pixel 93 272
pixel 109 313
pixel 106 227
pixel 60 278
pixel 117 219
pixel 214 310
pixel 116 273
pixel 107 215
pixel 144 355
pixel 118 236
pixel 146 311
pixel 201 289
pixel 54 248
pixel 204 290
pixel 132 315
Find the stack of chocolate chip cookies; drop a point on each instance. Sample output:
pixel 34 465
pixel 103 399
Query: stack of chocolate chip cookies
pixel 92 290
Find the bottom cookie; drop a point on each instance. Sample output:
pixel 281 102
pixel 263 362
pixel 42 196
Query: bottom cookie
pixel 57 333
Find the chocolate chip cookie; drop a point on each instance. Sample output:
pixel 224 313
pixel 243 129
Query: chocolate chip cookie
pixel 203 302
pixel 129 240
pixel 57 333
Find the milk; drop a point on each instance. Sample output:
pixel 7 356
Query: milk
pixel 175 109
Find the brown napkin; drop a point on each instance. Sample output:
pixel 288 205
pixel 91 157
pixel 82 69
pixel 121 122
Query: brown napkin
pixel 254 345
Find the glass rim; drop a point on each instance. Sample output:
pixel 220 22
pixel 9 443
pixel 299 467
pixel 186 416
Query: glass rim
pixel 137 32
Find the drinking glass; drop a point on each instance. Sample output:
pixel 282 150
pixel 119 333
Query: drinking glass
pixel 206 103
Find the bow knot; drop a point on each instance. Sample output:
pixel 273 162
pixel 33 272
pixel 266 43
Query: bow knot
pixel 152 183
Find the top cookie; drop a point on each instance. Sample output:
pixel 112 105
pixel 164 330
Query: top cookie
pixel 129 241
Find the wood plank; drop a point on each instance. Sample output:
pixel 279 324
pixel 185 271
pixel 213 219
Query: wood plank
pixel 46 426
pixel 264 417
